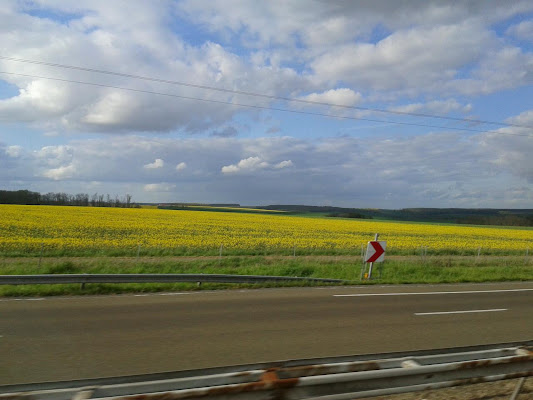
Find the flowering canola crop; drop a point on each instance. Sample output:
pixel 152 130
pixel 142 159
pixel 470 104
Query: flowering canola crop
pixel 75 229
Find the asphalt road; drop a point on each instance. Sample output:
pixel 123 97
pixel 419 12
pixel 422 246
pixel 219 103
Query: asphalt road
pixel 52 339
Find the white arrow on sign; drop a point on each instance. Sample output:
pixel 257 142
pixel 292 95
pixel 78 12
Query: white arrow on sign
pixel 375 251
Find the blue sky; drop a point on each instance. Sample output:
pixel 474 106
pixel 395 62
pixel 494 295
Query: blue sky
pixel 465 60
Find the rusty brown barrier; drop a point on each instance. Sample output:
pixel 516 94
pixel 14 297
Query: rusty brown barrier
pixel 348 377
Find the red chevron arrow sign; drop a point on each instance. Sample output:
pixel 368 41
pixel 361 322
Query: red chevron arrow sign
pixel 375 252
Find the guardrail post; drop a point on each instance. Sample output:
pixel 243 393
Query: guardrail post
pixel 82 285
pixel 518 388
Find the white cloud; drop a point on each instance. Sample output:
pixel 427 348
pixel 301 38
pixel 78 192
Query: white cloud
pixel 418 59
pixel 523 30
pixel 342 96
pixel 512 153
pixel 98 36
pixel 248 164
pixel 380 49
pixel 284 164
pixel 159 187
pixel 439 107
pixel 55 156
pixel 322 24
pixel 158 163
pixel 14 151
pixel 111 109
pixel 427 57
pixel 391 172
pixel 252 164
pixel 60 173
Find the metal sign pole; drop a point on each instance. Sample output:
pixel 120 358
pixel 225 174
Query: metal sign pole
pixel 372 264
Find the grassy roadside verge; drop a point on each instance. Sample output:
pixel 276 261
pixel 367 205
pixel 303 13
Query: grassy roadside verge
pixel 146 252
pixel 397 270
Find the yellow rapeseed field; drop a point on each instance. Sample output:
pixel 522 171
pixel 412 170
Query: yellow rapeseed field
pixel 28 228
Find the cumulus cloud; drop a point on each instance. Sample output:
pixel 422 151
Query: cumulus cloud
pixel 403 171
pixel 420 58
pixel 252 164
pixel 60 173
pixel 510 147
pixel 504 68
pixel 14 151
pixel 97 36
pixel 247 164
pixel 54 155
pixel 284 164
pixel 430 57
pixel 158 163
pixel 159 187
pixel 342 96
pixel 320 24
pixel 439 107
pixel 523 30
pixel 366 49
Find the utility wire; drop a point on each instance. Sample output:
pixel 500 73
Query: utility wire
pixel 260 107
pixel 271 97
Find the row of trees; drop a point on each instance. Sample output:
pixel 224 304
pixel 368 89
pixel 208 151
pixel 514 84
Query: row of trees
pixel 64 199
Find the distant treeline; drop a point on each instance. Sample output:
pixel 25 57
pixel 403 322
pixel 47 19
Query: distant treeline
pixel 63 199
pixel 473 216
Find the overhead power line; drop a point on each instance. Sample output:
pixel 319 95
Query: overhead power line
pixel 260 107
pixel 266 96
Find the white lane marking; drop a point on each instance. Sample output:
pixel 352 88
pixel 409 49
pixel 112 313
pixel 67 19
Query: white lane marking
pixel 160 294
pixel 428 293
pixel 173 294
pixel 460 312
pixel 30 299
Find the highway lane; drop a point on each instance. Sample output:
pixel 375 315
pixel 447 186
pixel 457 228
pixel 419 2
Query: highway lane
pixel 95 336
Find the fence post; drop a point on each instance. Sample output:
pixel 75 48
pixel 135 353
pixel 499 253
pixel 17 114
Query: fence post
pixel 478 254
pixel 41 254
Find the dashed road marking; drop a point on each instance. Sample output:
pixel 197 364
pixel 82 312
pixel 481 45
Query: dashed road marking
pixel 29 299
pixel 461 312
pixel 432 293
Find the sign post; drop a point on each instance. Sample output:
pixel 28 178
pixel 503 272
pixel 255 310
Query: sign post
pixel 375 252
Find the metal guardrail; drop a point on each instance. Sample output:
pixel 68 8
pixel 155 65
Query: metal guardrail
pixel 325 379
pixel 151 278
